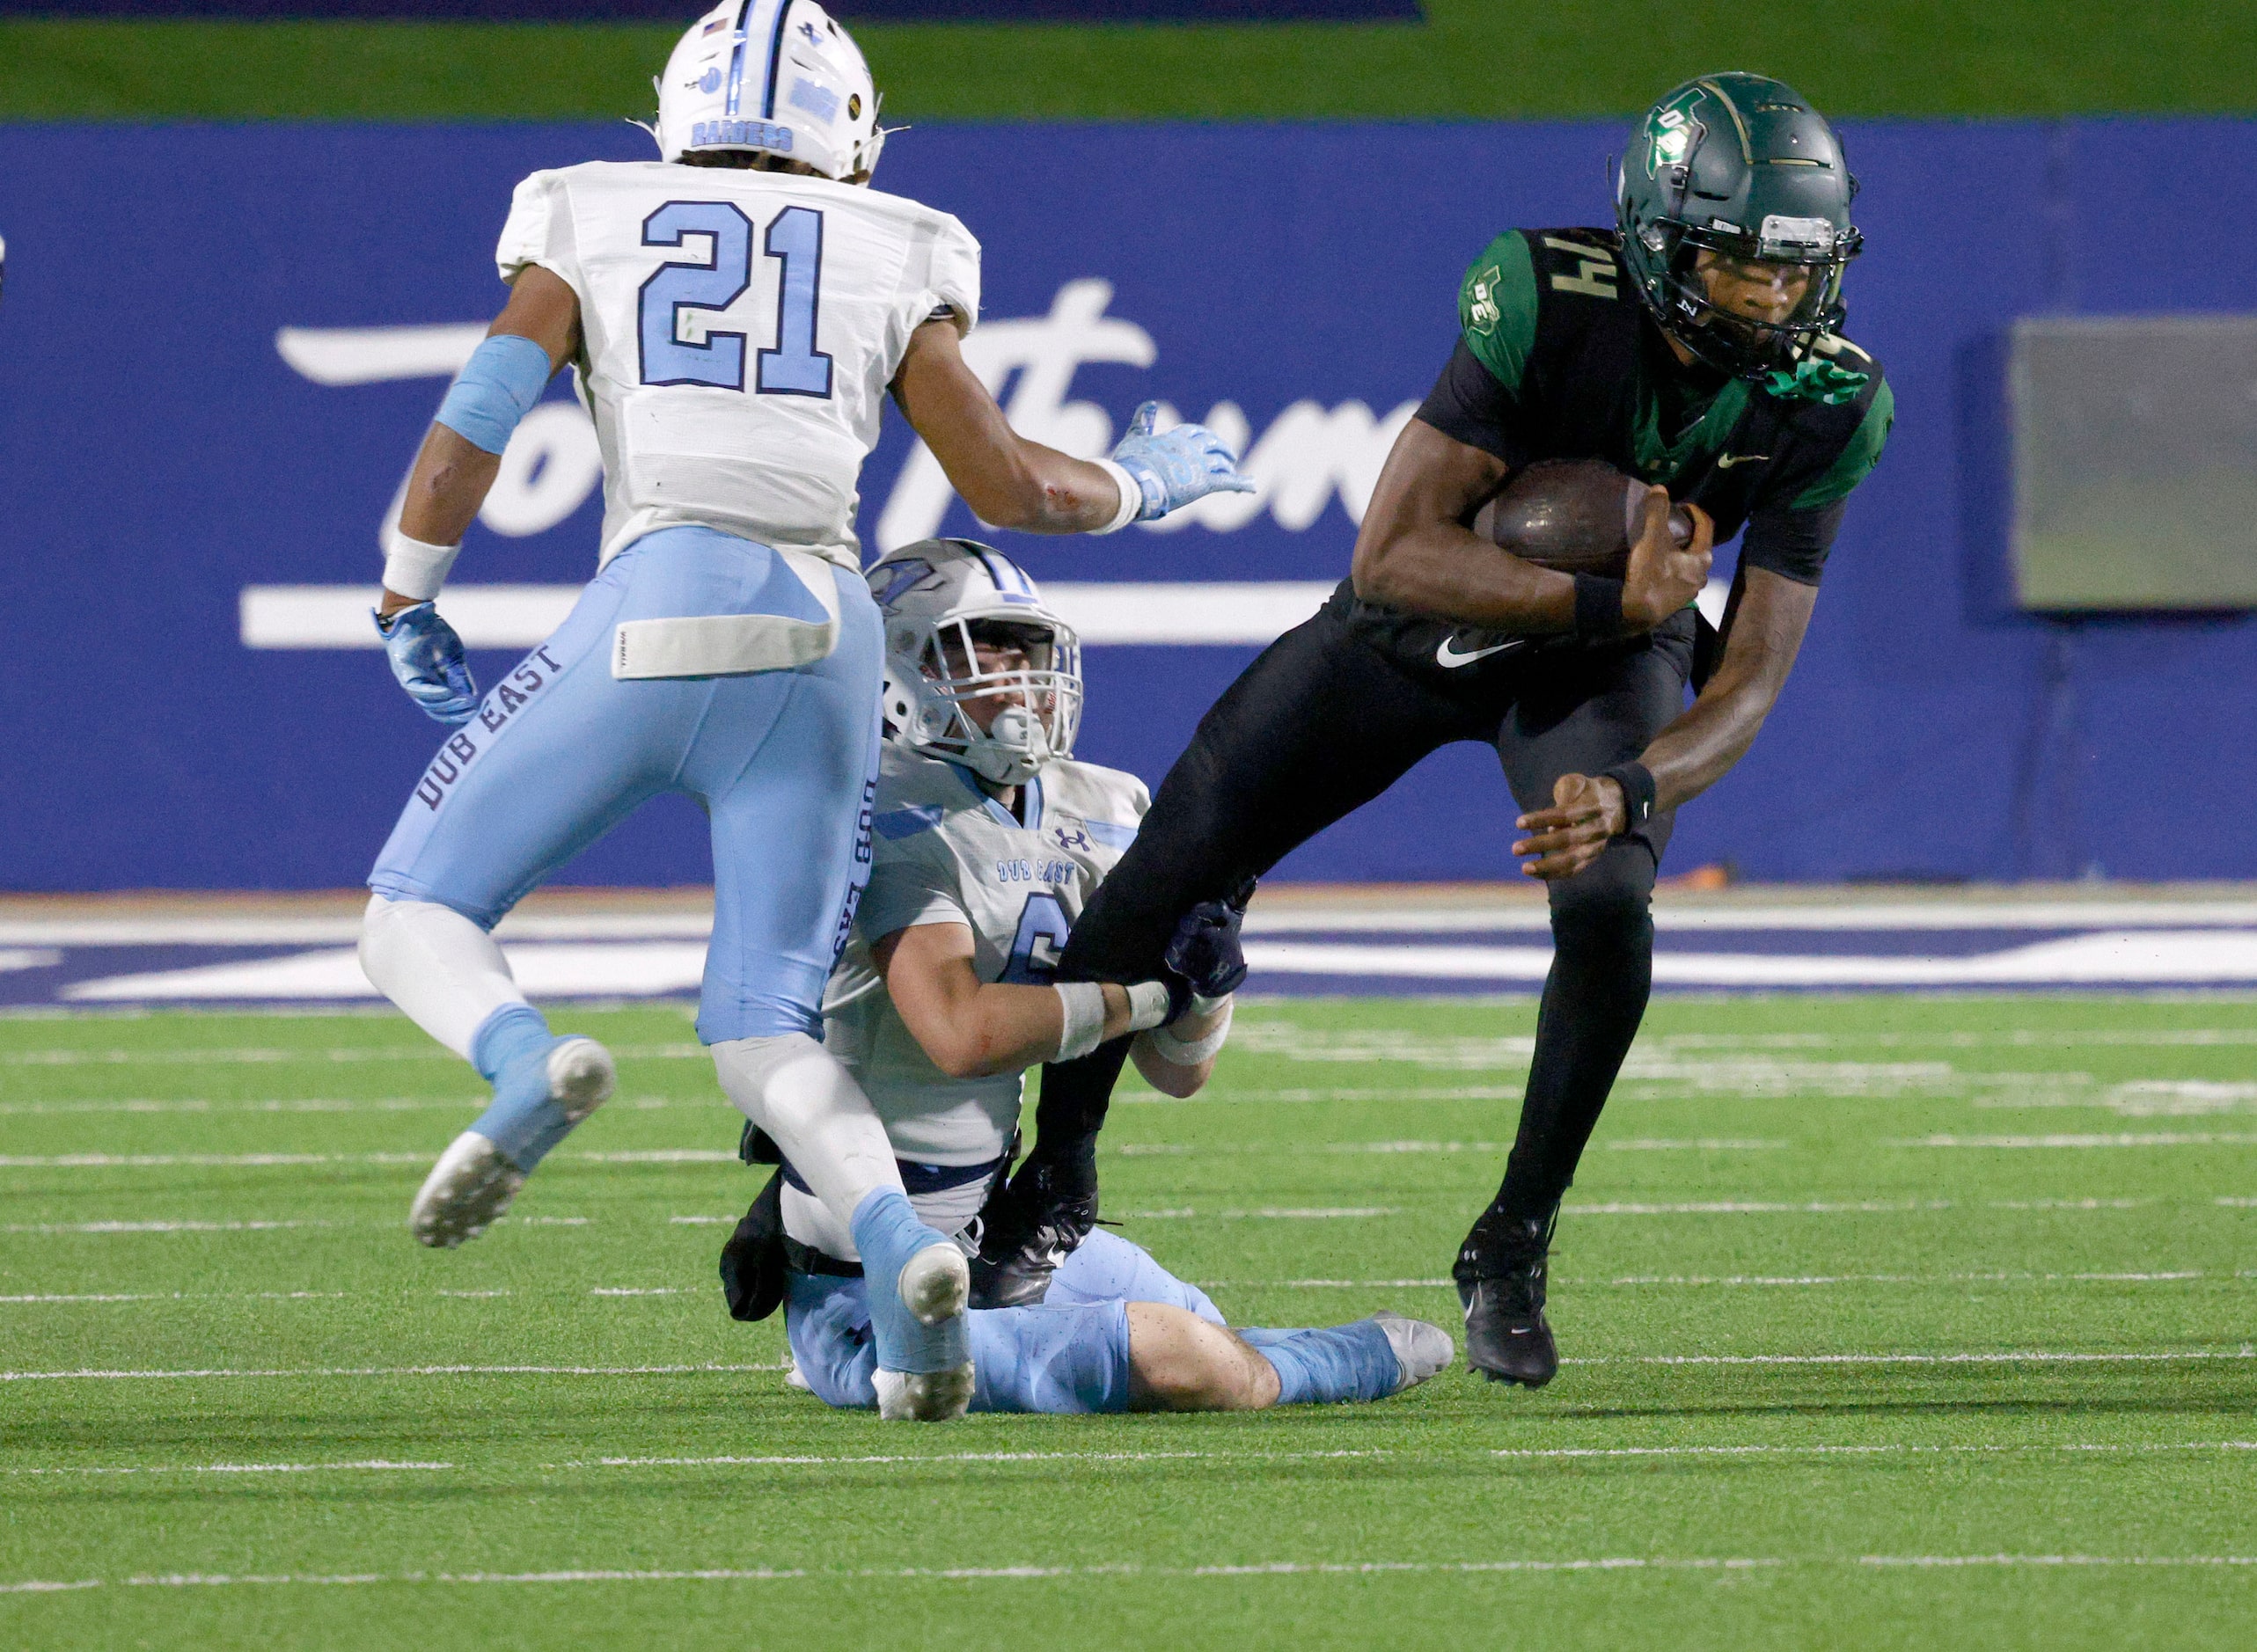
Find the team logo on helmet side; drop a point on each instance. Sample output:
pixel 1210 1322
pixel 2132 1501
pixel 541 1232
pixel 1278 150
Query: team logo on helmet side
pixel 1671 132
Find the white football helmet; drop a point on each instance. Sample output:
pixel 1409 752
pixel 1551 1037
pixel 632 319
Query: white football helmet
pixel 940 597
pixel 775 76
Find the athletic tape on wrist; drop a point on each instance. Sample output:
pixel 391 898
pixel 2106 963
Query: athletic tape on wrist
pixel 412 568
pixel 1148 1006
pixel 1598 609
pixel 1637 781
pixel 1191 1052
pixel 1132 505
pixel 504 377
pixel 1084 1003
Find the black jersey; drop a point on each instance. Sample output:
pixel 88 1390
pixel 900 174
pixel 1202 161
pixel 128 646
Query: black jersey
pixel 1557 359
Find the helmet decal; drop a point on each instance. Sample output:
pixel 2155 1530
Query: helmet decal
pixel 905 575
pixel 1671 132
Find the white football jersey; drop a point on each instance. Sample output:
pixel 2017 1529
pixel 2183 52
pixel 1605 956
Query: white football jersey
pixel 740 329
pixel 943 852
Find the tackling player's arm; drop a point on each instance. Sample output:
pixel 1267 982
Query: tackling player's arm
pixel 971 1028
pixel 452 474
pixel 1010 482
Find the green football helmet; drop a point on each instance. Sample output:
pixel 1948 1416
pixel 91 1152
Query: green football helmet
pixel 1740 164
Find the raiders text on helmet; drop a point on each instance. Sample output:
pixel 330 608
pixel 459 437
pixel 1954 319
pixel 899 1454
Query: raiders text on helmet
pixel 1740 164
pixel 775 77
pixel 941 600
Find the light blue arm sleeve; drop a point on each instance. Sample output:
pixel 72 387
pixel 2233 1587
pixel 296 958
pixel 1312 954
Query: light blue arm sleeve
pixel 504 377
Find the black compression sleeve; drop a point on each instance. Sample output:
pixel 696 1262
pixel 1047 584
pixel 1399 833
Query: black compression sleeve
pixel 1793 544
pixel 1468 405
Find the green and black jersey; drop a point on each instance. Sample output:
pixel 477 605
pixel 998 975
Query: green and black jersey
pixel 1557 359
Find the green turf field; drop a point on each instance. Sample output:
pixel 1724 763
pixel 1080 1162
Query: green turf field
pixel 1885 1317
pixel 1470 59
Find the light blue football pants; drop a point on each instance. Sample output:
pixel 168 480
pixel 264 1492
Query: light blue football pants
pixel 785 764
pixel 1067 1356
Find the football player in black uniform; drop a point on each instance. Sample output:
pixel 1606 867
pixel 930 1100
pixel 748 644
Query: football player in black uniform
pixel 1695 346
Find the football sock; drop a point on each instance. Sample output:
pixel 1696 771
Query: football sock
pixel 796 1090
pixel 887 1233
pixel 1328 1366
pixel 512 1050
pixel 1595 998
pixel 444 973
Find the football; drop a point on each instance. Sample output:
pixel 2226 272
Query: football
pixel 1574 516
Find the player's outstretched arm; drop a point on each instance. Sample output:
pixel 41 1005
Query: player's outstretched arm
pixel 1764 633
pixel 1011 482
pixel 971 1028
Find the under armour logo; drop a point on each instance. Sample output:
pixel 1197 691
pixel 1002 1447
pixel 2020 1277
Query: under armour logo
pixel 1073 837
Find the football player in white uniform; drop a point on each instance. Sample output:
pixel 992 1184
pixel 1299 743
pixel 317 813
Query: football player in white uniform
pixel 989 838
pixel 735 312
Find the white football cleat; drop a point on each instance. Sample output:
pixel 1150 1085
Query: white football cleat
pixel 465 1193
pixel 935 1286
pixel 474 1181
pixel 1421 1349
pixel 938 1396
pixel 581 1077
pixel 936 1283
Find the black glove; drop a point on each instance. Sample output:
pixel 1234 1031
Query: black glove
pixel 1205 955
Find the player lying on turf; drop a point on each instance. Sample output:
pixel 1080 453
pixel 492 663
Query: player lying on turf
pixel 990 837
pixel 1696 346
pixel 736 313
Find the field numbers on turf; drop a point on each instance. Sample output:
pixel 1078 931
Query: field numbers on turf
pixel 715 278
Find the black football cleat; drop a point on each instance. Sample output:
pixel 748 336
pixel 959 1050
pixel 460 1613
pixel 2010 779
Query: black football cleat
pixel 1027 1230
pixel 1501 1273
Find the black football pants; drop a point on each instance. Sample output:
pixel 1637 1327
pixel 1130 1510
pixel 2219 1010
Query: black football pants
pixel 1323 722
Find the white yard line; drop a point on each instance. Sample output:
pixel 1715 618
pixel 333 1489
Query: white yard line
pixel 2140 1447
pixel 73 1055
pixel 1602 1564
pixel 375 1465
pixel 380 1370
pixel 2023 1356
pixel 2120 1138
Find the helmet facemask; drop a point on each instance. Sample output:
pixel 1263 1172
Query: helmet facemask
pixel 1019 676
pixel 1728 340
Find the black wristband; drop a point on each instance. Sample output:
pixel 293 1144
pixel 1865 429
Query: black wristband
pixel 1637 781
pixel 1598 609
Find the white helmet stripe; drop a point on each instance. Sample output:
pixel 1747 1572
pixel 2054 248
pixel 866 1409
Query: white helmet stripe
pixel 1011 581
pixel 769 29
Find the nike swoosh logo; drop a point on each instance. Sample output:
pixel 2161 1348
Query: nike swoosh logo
pixel 1450 659
pixel 1728 460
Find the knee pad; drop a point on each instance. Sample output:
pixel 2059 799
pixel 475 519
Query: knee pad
pixel 1611 899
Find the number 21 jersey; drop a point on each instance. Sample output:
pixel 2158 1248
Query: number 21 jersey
pixel 739 331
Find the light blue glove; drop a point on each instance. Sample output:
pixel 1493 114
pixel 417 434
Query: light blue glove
pixel 426 658
pixel 1176 466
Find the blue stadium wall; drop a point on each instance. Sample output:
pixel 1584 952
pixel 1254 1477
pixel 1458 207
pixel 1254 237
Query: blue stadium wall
pixel 159 455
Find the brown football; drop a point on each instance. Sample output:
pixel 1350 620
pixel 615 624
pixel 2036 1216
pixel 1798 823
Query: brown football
pixel 1577 515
